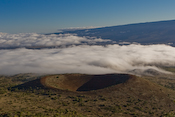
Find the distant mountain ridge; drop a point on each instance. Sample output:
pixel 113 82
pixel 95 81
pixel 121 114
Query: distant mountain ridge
pixel 161 32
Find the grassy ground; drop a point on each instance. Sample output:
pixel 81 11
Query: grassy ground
pixel 170 69
pixel 123 100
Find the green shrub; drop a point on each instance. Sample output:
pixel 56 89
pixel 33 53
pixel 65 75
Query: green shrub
pixel 2 91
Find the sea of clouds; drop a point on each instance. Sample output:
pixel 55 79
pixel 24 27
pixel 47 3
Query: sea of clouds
pixel 81 58
pixel 42 41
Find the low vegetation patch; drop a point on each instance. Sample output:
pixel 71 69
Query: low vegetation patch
pixel 118 100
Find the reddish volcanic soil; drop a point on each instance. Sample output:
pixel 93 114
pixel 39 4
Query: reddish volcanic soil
pixel 79 82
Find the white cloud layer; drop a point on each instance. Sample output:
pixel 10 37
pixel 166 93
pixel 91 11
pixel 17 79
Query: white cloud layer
pixel 83 58
pixel 40 40
pixel 77 28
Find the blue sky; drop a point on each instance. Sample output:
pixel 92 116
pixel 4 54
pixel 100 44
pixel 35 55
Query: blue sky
pixel 44 16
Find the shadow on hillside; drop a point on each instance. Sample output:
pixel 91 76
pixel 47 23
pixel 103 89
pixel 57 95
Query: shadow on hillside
pixel 95 82
pixel 103 81
pixel 34 84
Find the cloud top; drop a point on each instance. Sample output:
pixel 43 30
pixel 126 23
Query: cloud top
pixel 44 41
pixel 95 59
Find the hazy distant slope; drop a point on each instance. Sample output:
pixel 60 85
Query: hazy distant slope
pixel 144 33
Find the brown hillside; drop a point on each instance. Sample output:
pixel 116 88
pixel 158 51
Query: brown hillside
pixel 80 82
pixel 112 94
